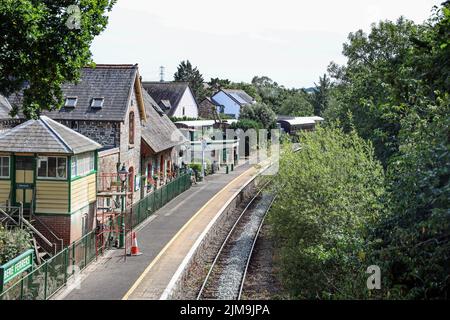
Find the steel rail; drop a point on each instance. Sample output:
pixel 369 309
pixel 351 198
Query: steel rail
pixel 225 242
pixel 252 249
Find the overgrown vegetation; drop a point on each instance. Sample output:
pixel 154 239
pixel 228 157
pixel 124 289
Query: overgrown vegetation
pixel 13 243
pixel 412 241
pixel 246 124
pixel 260 113
pixel 328 198
pixel 335 217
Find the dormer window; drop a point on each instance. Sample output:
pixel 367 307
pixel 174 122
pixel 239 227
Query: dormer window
pixel 71 102
pixel 97 103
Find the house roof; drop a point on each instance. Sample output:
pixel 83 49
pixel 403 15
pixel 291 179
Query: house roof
pixel 114 83
pixel 203 123
pixel 209 100
pixel 240 96
pixel 158 131
pixel 166 94
pixel 300 120
pixel 45 135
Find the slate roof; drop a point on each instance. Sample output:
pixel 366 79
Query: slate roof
pixel 159 132
pixel 114 83
pixel 45 135
pixel 240 96
pixel 209 100
pixel 300 120
pixel 166 94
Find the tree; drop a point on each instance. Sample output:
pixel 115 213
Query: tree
pixel 270 92
pixel 297 105
pixel 216 84
pixel 321 95
pixel 412 239
pixel 44 44
pixel 376 86
pixel 250 89
pixel 246 124
pixel 260 113
pixel 328 195
pixel 187 73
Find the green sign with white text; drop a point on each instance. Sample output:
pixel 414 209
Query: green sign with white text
pixel 15 267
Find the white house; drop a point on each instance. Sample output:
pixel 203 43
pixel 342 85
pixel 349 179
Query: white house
pixel 231 101
pixel 176 99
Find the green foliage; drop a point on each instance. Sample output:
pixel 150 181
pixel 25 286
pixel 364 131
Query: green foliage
pixel 394 92
pixel 271 93
pixel 413 238
pixel 39 52
pixel 197 168
pixel 374 86
pixel 246 124
pixel 297 105
pixel 328 196
pixel 217 84
pixel 391 72
pixel 321 95
pixel 13 243
pixel 187 73
pixel 260 113
pixel 184 118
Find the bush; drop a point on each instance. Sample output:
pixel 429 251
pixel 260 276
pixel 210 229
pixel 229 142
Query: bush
pixel 197 167
pixel 413 238
pixel 13 243
pixel 328 195
pixel 260 113
pixel 246 124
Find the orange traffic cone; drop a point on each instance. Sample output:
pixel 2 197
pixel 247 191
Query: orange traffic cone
pixel 134 247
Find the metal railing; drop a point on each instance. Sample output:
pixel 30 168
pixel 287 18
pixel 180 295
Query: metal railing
pixel 42 283
pixel 142 209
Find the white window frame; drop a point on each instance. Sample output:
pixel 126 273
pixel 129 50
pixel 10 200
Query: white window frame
pixel 45 158
pixel 82 168
pixel 70 98
pixel 97 98
pixel 9 167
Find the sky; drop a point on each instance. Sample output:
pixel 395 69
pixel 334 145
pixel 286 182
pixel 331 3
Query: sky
pixel 290 41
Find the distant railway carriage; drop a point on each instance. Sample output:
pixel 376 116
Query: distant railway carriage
pixel 291 125
pixel 50 170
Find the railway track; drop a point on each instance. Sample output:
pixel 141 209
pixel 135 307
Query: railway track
pixel 226 275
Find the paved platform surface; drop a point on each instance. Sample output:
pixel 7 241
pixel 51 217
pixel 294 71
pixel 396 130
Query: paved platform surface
pixel 112 277
pixel 151 284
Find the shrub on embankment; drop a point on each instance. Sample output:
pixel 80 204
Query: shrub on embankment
pixel 13 243
pixel 329 196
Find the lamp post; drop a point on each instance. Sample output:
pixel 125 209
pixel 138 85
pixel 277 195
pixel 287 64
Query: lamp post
pixel 123 175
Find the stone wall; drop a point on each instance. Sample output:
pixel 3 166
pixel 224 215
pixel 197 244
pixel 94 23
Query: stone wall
pixel 9 124
pixel 205 109
pixel 107 161
pixel 107 133
pixel 130 154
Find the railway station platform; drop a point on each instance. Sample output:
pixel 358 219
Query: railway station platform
pixel 164 239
